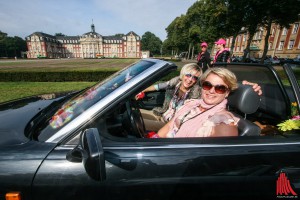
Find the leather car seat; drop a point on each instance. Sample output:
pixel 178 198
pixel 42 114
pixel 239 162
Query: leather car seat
pixel 244 101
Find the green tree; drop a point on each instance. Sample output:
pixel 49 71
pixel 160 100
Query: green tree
pixel 177 34
pixel 119 35
pixel 151 43
pixel 11 46
pixel 205 21
pixel 279 12
pixel 21 46
pixel 243 16
pixel 210 20
pixel 59 34
pixel 3 50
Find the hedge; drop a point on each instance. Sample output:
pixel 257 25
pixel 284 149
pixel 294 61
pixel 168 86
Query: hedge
pixel 76 76
pixel 54 76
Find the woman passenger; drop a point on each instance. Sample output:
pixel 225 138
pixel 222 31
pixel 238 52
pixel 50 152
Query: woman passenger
pixel 206 117
pixel 178 90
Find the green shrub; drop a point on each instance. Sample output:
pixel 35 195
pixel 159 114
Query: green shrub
pixel 54 76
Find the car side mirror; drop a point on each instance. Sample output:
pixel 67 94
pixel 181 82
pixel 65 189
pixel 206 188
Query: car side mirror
pixel 93 154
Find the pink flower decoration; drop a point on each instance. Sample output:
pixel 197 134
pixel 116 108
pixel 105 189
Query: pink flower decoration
pixel 297 117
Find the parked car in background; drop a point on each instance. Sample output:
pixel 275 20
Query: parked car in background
pixel 251 60
pixel 289 60
pixel 247 60
pixel 285 60
pixel 93 143
pixel 236 59
pixel 272 61
pixel 182 55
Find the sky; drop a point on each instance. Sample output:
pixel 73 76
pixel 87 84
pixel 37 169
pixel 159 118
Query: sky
pixel 74 17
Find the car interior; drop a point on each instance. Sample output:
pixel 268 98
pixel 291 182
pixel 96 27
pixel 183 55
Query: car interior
pixel 258 115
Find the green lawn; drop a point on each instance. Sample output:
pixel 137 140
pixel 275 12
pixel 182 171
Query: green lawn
pixel 15 90
pixel 55 65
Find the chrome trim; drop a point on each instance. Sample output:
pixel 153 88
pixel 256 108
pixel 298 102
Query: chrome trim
pixel 88 114
pixel 185 146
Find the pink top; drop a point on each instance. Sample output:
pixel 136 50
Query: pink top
pixel 218 53
pixel 194 124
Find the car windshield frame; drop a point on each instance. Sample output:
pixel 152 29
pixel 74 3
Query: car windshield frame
pixel 75 106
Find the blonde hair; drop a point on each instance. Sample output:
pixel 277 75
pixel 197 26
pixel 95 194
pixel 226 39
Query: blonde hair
pixel 226 75
pixel 189 68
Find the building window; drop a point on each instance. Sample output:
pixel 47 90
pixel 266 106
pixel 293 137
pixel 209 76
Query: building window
pixel 280 47
pixel 284 31
pixel 245 36
pixel 270 46
pixel 260 33
pixel 295 29
pixel 273 32
pixel 291 44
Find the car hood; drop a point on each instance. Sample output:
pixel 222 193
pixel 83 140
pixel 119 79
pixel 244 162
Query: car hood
pixel 15 115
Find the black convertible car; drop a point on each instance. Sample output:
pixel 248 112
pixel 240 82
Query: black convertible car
pixel 91 144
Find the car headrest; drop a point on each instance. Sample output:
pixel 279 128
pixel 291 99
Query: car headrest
pixel 244 99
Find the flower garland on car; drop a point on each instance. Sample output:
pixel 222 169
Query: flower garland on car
pixel 294 122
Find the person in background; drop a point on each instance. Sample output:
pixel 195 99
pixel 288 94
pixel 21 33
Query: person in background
pixel 206 117
pixel 223 54
pixel 203 59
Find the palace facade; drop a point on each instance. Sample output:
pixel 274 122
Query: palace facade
pixel 88 45
pixel 283 42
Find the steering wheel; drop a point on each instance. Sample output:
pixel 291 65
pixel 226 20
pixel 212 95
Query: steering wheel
pixel 135 118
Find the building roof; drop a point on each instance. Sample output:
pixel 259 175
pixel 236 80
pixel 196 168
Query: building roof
pixel 92 33
pixel 67 37
pixel 42 34
pixel 113 38
pixel 133 33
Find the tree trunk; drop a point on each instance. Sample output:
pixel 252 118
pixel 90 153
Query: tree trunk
pixel 268 27
pixel 193 49
pixel 247 50
pixel 189 51
pixel 232 45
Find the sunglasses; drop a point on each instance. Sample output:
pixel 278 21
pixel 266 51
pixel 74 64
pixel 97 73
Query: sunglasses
pixel 195 78
pixel 220 89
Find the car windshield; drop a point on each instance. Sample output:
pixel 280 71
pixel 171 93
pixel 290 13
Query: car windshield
pixel 72 108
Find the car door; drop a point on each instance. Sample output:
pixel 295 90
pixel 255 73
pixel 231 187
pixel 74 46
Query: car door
pixel 185 168
pixel 152 100
pixel 171 169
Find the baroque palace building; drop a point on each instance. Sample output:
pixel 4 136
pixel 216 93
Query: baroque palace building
pixel 88 45
pixel 282 43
